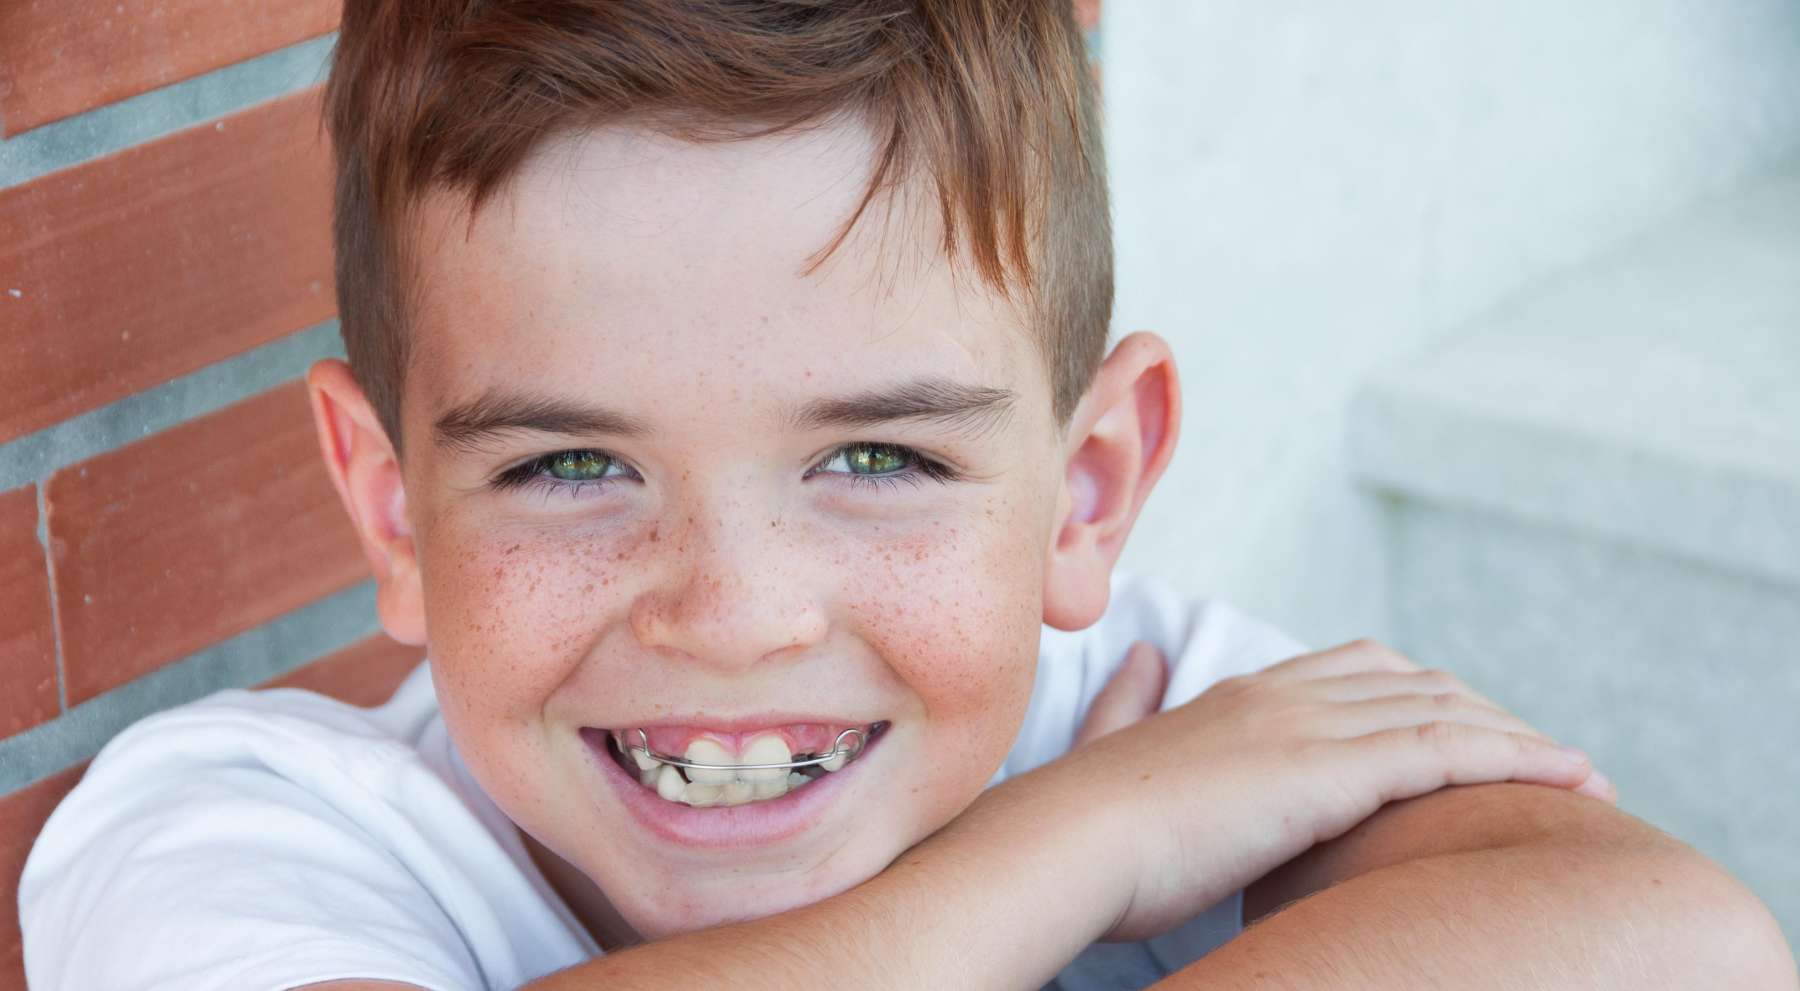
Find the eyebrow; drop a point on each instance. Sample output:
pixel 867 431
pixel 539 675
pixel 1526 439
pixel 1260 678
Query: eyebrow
pixel 495 413
pixel 498 412
pixel 933 400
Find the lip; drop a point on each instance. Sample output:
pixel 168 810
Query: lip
pixel 736 827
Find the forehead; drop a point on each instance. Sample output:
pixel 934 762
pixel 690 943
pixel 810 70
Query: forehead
pixel 620 258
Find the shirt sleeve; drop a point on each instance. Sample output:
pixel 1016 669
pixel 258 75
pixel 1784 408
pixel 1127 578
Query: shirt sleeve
pixel 1204 640
pixel 187 858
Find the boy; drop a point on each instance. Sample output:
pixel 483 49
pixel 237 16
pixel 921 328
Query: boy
pixel 727 412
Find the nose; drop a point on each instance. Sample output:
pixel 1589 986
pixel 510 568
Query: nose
pixel 735 596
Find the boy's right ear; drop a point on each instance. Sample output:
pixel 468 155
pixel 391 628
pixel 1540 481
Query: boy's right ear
pixel 366 473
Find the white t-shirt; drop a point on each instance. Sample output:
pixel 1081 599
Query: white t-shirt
pixel 270 839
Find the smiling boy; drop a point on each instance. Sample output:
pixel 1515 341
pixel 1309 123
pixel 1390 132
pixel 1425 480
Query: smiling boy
pixel 726 383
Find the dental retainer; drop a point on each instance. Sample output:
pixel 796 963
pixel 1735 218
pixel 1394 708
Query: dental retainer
pixel 848 745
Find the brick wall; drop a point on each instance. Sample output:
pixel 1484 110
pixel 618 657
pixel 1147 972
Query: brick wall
pixel 166 525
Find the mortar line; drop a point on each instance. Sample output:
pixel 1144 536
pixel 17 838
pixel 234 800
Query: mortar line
pixel 144 117
pixel 269 650
pixel 56 630
pixel 204 390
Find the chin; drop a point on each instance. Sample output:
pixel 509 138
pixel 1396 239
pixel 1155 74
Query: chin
pixel 683 909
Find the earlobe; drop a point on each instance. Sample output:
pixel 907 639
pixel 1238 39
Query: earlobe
pixel 366 473
pixel 1121 438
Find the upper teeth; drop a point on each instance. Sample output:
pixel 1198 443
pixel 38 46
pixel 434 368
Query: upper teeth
pixel 765 749
pixel 725 784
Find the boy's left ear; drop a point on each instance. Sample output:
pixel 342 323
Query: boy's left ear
pixel 1121 437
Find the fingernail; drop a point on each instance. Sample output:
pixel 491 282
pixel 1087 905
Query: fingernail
pixel 1595 777
pixel 1575 756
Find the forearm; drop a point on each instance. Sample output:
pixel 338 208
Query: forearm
pixel 985 903
pixel 1531 916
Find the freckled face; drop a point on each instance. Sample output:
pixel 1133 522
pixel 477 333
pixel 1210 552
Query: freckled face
pixel 706 554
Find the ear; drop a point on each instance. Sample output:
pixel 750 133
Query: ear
pixel 366 472
pixel 1121 437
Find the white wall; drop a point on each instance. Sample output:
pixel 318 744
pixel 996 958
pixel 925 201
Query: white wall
pixel 1304 189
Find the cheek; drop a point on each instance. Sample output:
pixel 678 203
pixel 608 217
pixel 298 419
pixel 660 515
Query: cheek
pixel 956 611
pixel 509 612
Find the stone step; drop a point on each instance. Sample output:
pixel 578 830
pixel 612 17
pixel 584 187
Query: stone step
pixel 1593 517
pixel 1652 398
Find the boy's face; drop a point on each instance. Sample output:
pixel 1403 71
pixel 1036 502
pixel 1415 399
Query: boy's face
pixel 748 540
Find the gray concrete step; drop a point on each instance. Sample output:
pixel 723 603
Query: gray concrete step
pixel 1592 513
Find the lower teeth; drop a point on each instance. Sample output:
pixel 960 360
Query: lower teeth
pixel 672 785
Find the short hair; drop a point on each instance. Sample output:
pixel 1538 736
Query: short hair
pixel 991 100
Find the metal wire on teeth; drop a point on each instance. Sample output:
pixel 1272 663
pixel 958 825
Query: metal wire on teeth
pixel 848 745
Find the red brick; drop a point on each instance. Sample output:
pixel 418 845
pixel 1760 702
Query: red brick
pixel 22 815
pixel 125 272
pixel 27 638
pixel 364 673
pixel 60 57
pixel 182 539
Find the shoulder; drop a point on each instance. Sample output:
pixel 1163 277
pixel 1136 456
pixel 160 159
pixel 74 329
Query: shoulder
pixel 260 837
pixel 1204 639
pixel 311 740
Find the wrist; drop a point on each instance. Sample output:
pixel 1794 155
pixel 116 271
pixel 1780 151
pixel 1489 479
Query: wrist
pixel 1004 896
pixel 1059 837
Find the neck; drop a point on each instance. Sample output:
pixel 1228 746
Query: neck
pixel 583 897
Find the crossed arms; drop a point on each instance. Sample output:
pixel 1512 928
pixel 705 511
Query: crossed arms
pixel 1318 787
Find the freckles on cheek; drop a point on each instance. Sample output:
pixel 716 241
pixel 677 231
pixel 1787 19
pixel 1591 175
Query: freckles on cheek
pixel 508 615
pixel 957 611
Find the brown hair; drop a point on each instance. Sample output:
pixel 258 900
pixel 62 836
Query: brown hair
pixel 990 98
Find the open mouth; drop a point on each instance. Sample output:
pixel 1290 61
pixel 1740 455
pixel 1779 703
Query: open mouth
pixel 707 772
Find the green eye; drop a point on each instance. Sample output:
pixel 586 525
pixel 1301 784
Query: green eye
pixel 876 459
pixel 578 466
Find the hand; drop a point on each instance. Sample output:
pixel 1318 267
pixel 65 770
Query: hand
pixel 1197 802
pixel 1134 692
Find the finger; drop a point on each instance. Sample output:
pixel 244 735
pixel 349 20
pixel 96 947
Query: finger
pixel 1135 691
pixel 1599 786
pixel 1350 719
pixel 1380 684
pixel 1412 713
pixel 1416 760
pixel 1351 658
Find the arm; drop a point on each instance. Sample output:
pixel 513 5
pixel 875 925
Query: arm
pixel 1007 893
pixel 910 925
pixel 979 904
pixel 982 903
pixel 1264 767
pixel 1500 886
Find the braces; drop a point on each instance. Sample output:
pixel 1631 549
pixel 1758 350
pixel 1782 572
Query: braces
pixel 848 745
